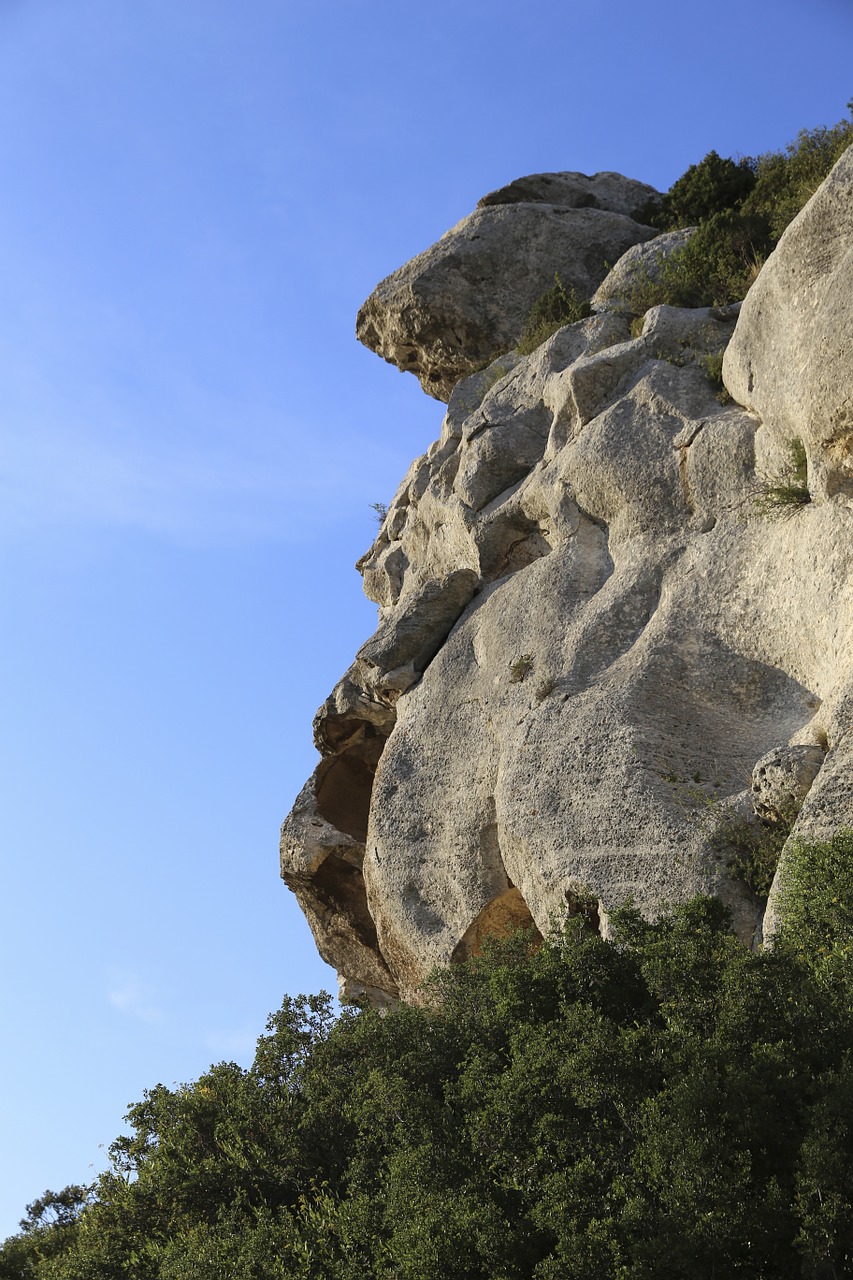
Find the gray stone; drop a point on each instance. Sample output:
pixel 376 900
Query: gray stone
pixel 322 851
pixel 610 191
pixel 623 287
pixel 790 358
pixel 459 304
pixel 781 781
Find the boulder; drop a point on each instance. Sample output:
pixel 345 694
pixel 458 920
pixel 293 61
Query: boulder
pixel 630 640
pixel 790 359
pixel 623 288
pixel 465 300
pixel 611 191
pixel 781 780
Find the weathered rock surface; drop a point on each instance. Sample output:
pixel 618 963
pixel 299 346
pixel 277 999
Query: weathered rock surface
pixel 638 266
pixel 592 648
pixel 791 360
pixel 455 306
pixel 611 191
pixel 782 779
pixel 791 363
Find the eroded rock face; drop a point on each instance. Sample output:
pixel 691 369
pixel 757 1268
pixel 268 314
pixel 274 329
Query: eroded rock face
pixel 611 191
pixel 791 360
pixel 592 651
pixel 451 309
pixel 638 266
pixel 782 779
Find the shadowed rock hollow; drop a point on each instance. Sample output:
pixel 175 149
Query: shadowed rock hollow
pixel 598 668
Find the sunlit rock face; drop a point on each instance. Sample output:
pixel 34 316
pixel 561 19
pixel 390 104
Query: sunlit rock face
pixel 598 666
pixel 449 310
pixel 791 361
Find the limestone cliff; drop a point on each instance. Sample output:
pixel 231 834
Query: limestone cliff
pixel 599 666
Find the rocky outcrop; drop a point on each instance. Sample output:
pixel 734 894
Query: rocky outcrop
pixel 596 660
pixel 790 363
pixel 611 191
pixel 792 358
pixel 456 306
pixel 639 266
pixel 782 779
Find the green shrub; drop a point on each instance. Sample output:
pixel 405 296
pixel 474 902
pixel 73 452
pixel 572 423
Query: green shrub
pixel 715 267
pixel 712 366
pixel 749 846
pixel 710 187
pixel 786 180
pixel 782 495
pixel 741 209
pixel 753 850
pixel 668 1105
pixel 555 308
pixel 816 906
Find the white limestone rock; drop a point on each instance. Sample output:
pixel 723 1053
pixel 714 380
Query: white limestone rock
pixel 791 358
pixel 454 307
pixel 591 647
pixel 638 267
pixel 782 779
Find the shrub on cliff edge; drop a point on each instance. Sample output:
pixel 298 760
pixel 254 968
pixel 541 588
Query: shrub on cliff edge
pixel 741 208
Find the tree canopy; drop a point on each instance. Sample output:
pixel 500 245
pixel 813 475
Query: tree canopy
pixel 664 1104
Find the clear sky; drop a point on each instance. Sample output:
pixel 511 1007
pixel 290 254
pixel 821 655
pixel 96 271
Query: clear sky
pixel 196 198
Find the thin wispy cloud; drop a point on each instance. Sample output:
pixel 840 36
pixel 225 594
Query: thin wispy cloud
pixel 196 494
pixel 131 996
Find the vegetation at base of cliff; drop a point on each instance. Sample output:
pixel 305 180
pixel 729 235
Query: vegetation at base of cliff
pixel 668 1104
pixel 740 207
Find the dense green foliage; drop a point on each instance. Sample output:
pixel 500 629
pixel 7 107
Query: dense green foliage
pixel 705 189
pixel 668 1104
pixel 740 207
pixel 817 904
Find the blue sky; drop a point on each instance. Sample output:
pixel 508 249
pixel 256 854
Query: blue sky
pixel 196 198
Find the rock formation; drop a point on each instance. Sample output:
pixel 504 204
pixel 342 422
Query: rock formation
pixel 598 666
pixel 450 310
pixel 635 269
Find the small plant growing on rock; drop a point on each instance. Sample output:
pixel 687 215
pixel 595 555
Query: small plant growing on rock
pixel 712 366
pixel 556 307
pixel 494 372
pixel 545 686
pixel 380 511
pixel 520 668
pixel 780 496
pixel 752 850
pixel 750 846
